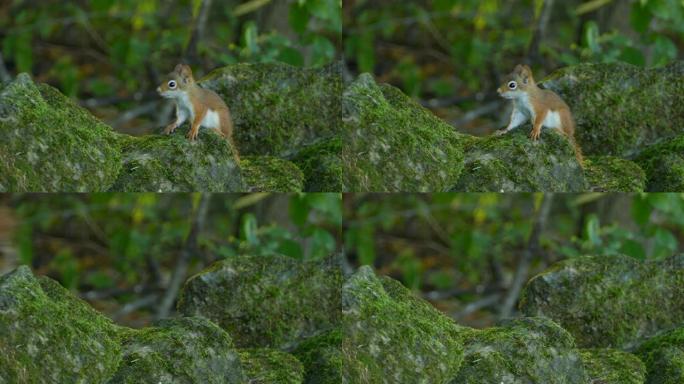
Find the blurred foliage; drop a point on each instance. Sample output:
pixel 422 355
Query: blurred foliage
pixel 455 241
pixel 439 48
pixel 105 47
pixel 101 241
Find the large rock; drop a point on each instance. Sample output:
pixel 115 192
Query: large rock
pixel 514 163
pixel 49 144
pixel 664 165
pixel 610 366
pixel 618 107
pixel 271 174
pixel 269 366
pixel 277 108
pixel 613 174
pixel 609 301
pixel 266 301
pixel 322 165
pixel 664 357
pixel 48 335
pixel 322 357
pixel 521 351
pixel 392 337
pixel 183 350
pixel 392 144
pixel 172 163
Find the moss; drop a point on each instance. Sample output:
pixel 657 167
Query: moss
pixel 392 337
pixel 609 301
pixel 47 335
pixel 525 350
pixel 514 163
pixel 393 144
pixel 322 357
pixel 50 144
pixel 172 163
pixel 273 301
pixel 270 174
pixel 277 109
pixel 610 366
pixel 664 165
pixel 322 165
pixel 269 366
pixel 664 357
pixel 619 108
pixel 184 350
pixel 612 174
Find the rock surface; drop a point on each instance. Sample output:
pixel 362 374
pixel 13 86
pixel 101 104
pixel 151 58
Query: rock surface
pixel 183 350
pixel 609 301
pixel 664 165
pixel 49 144
pixel 322 165
pixel 271 174
pixel 613 174
pixel 322 357
pixel 269 366
pixel 266 301
pixel 47 335
pixel 610 366
pixel 619 108
pixel 514 163
pixel 664 357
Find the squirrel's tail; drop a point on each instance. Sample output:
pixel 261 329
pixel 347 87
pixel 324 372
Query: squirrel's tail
pixel 569 129
pixel 578 151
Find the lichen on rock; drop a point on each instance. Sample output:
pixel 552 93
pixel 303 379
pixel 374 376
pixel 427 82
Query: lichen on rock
pixel 270 174
pixel 47 335
pixel 514 163
pixel 49 144
pixel 270 366
pixel 613 174
pixel 611 366
pixel 619 108
pixel 266 301
pixel 609 301
pixel 664 165
pixel 393 144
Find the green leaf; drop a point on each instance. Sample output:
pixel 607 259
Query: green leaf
pixel 291 248
pixel 633 56
pixel 298 18
pixel 591 37
pixel 664 51
pixel 322 244
pixel 591 230
pixel 248 229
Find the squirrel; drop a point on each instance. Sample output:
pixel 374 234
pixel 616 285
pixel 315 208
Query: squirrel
pixel 542 106
pixel 203 106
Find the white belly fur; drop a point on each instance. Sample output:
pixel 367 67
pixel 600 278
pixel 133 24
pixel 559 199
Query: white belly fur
pixel 211 120
pixel 552 120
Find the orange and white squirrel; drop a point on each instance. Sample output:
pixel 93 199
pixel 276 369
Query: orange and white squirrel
pixel 542 106
pixel 202 106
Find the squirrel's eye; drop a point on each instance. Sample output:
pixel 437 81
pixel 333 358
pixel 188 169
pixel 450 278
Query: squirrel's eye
pixel 512 85
pixel 172 84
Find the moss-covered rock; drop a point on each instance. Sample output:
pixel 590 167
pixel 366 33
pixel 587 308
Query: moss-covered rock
pixel 172 163
pixel 619 107
pixel 183 351
pixel 664 357
pixel 607 301
pixel 48 335
pixel 271 174
pixel 49 144
pixel 322 165
pixel 521 351
pixel 269 366
pixel 278 109
pixel 390 336
pixel 393 144
pixel 610 366
pixel 612 174
pixel 664 165
pixel 273 301
pixel 514 163
pixel 322 357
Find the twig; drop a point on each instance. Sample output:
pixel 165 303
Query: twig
pixel 198 31
pixel 143 302
pixel 477 112
pixel 524 263
pixel 477 305
pixel 188 250
pixel 540 31
pixel 135 112
pixel 249 6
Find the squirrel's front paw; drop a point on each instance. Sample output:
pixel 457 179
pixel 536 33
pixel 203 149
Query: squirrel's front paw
pixel 169 128
pixel 192 135
pixel 500 132
pixel 534 135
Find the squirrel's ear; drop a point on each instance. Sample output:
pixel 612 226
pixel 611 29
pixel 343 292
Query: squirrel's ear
pixel 184 72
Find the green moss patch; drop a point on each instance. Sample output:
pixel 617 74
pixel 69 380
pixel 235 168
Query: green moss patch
pixel 268 366
pixel 612 174
pixel 619 108
pixel 514 163
pixel 49 144
pixel 393 144
pixel 47 335
pixel 172 163
pixel 271 174
pixel 664 357
pixel 322 165
pixel 322 357
pixel 273 301
pixel 610 366
pixel 664 165
pixel 609 301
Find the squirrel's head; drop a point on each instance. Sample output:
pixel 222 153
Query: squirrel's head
pixel 517 82
pixel 176 82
